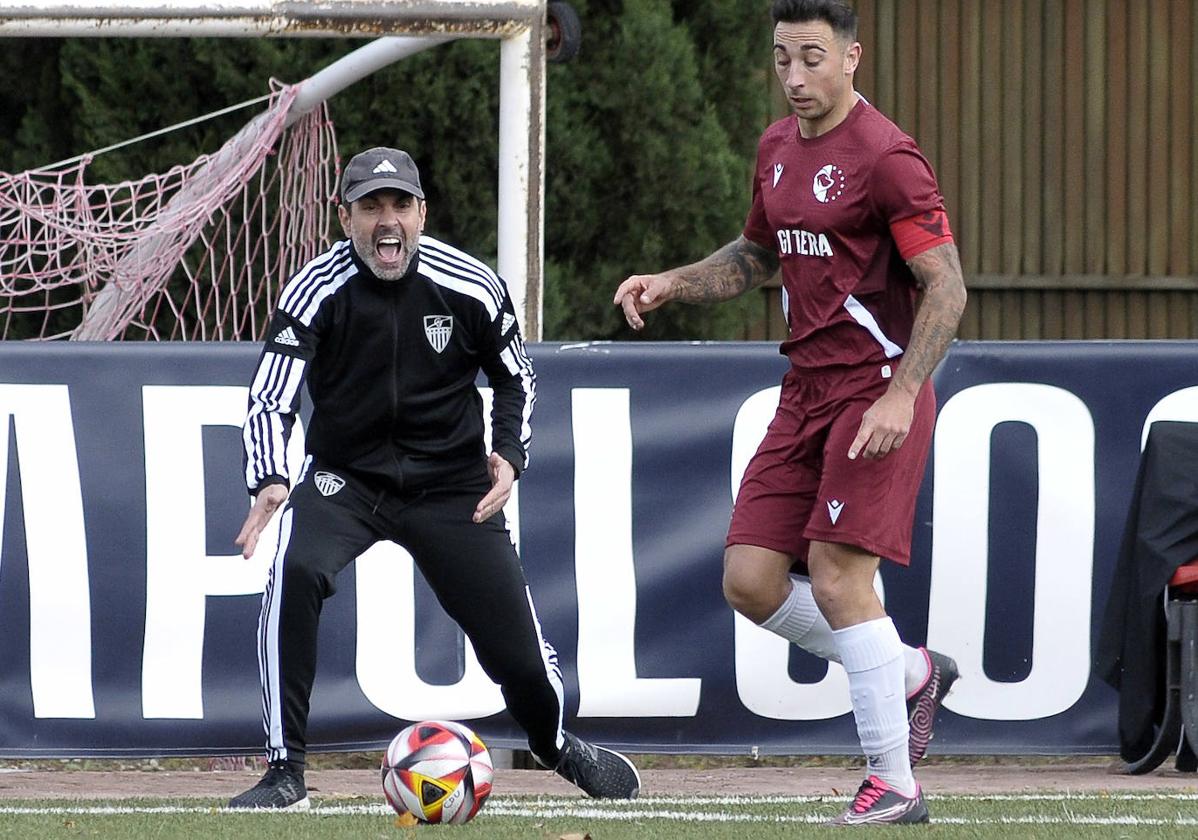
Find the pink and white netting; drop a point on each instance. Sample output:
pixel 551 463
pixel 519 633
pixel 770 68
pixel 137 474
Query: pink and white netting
pixel 195 253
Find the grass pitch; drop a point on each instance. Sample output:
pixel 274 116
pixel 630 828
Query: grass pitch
pixel 1068 817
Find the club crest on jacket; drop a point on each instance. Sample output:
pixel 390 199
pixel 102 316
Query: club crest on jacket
pixel 437 329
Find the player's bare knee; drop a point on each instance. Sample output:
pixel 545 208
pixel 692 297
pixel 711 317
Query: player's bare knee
pixel 831 591
pixel 749 595
pixel 737 596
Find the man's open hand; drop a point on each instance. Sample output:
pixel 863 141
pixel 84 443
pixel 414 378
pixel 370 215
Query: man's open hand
pixel 503 475
pixel 268 500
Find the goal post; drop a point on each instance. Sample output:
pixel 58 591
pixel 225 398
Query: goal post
pixel 519 24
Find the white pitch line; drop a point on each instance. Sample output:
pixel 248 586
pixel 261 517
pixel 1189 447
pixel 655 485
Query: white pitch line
pixel 684 808
pixel 642 814
pixel 797 799
pixel 814 819
pixel 1066 797
pixel 122 810
pixel 599 813
pixel 776 799
pixel 573 804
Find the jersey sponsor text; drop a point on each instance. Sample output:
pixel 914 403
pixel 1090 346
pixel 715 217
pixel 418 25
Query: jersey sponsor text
pixel 803 243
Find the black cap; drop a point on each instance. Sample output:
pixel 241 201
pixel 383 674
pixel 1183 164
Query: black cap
pixel 380 169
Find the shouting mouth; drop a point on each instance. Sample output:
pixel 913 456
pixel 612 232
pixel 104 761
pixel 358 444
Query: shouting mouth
pixel 389 250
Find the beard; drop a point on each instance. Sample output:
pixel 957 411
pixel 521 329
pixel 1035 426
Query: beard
pixel 376 259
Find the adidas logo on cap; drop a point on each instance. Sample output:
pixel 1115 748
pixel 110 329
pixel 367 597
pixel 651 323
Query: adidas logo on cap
pixel 380 168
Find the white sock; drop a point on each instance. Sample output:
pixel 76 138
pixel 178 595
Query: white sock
pixel 873 657
pixel 799 620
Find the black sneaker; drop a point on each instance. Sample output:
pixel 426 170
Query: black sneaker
pixel 281 788
pixel 600 772
pixel 877 803
pixel 925 701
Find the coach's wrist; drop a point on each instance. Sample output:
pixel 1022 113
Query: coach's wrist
pixel 270 481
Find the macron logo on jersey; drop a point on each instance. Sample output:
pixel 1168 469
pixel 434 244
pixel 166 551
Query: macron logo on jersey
pixel 932 222
pixel 287 338
pixel 803 243
pixel 778 173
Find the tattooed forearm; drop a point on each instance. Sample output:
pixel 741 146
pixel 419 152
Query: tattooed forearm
pixel 732 270
pixel 938 272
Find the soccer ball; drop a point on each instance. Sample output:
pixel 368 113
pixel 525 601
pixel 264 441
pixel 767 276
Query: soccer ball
pixel 437 771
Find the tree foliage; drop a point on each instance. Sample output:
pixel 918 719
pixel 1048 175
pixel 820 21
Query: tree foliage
pixel 651 133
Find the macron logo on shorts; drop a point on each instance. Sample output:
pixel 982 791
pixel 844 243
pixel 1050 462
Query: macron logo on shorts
pixel 328 483
pixel 834 509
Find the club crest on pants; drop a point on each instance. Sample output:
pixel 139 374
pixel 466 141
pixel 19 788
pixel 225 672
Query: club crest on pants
pixel 437 329
pixel 327 483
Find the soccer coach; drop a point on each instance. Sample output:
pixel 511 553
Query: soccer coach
pixel 390 329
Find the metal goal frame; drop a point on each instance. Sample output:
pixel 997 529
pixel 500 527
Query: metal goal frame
pixel 403 27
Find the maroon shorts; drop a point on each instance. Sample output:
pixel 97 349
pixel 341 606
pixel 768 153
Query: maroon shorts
pixel 801 485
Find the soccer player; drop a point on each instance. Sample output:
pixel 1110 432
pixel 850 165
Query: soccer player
pixel 390 328
pixel 847 206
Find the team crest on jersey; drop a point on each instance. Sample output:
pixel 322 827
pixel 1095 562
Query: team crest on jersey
pixel 438 329
pixel 828 184
pixel 328 483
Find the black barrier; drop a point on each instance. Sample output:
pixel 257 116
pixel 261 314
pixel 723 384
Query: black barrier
pixel 127 620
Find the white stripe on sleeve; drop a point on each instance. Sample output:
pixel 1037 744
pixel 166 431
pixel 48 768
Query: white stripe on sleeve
pixel 271 416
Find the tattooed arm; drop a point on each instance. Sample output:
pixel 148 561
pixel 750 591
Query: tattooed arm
pixel 885 425
pixel 938 274
pixel 732 270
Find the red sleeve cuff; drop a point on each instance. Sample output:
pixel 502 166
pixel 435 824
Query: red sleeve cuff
pixel 920 233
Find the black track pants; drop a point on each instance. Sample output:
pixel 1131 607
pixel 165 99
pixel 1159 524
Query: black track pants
pixel 473 570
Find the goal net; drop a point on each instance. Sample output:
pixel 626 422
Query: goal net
pixel 194 253
pixel 199 252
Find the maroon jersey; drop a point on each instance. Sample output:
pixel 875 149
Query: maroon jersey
pixel 825 206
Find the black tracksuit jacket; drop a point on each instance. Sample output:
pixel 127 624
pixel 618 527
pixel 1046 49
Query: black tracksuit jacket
pixel 391 368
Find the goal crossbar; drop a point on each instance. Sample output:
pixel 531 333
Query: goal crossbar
pixel 234 18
